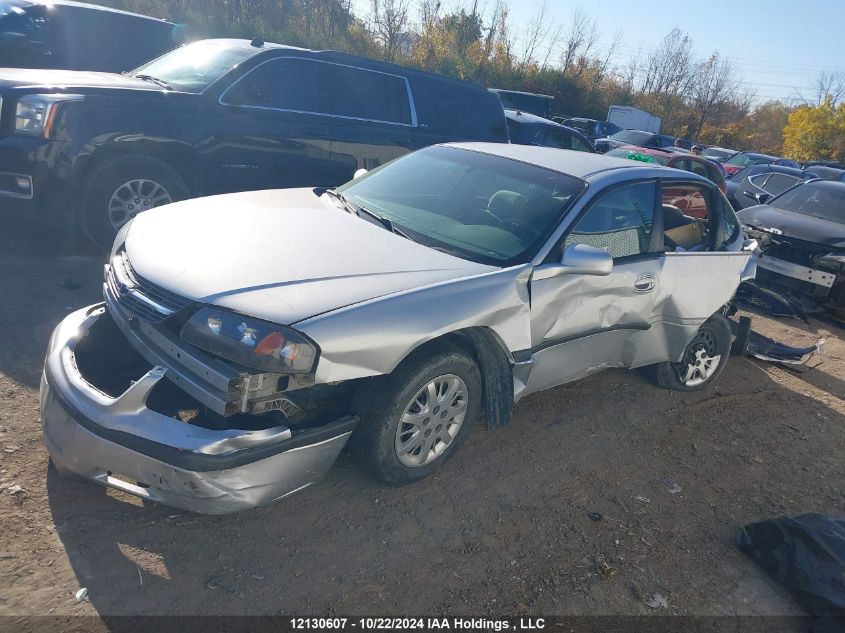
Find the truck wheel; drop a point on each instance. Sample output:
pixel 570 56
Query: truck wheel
pixel 704 358
pixel 415 420
pixel 119 188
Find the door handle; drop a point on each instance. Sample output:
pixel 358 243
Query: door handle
pixel 317 134
pixel 645 283
pixel 404 142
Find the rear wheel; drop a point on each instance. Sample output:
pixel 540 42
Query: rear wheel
pixel 704 358
pixel 121 187
pixel 415 420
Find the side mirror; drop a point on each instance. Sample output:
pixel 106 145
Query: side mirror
pixel 761 198
pixel 358 173
pixel 578 259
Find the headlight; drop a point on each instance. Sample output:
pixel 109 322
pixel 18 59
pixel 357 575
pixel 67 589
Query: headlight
pixel 35 114
pixel 251 342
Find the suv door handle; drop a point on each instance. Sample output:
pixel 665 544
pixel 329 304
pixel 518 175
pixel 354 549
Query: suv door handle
pixel 645 283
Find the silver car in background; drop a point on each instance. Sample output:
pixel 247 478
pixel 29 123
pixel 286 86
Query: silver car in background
pixel 245 339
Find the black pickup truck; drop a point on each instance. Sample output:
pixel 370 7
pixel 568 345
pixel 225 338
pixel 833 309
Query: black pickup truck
pixel 216 116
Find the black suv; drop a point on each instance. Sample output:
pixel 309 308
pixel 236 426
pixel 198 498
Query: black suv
pixel 77 36
pixel 218 116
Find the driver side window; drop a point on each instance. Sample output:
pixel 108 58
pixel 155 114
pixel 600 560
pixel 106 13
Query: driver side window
pixel 619 222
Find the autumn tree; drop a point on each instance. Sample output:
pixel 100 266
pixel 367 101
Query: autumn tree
pixel 816 132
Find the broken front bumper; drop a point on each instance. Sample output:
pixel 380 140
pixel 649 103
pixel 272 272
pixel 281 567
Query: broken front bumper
pixel 119 442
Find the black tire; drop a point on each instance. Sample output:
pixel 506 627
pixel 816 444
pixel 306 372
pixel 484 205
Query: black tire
pixel 382 405
pixel 714 336
pixel 107 177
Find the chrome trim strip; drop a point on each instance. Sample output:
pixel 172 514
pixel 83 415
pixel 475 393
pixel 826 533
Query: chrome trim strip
pixel 411 104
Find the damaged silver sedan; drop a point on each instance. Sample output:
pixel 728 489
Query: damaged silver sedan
pixel 245 339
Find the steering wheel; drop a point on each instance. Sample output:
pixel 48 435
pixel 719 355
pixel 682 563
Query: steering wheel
pixel 489 214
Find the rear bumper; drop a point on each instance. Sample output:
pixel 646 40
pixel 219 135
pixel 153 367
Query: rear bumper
pixel 119 442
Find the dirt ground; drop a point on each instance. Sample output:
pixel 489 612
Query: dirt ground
pixel 504 529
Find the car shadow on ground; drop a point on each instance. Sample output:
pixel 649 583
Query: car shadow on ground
pixel 507 519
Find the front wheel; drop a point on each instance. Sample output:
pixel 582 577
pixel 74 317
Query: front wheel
pixel 704 358
pixel 121 187
pixel 415 420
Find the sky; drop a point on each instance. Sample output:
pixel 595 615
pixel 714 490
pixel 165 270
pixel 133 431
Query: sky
pixel 778 47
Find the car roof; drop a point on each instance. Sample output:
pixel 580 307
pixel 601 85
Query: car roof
pixel 86 5
pixel 582 165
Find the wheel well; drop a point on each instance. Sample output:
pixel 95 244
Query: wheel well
pixel 494 364
pixel 179 158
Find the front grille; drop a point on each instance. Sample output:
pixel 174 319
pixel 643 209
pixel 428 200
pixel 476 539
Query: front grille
pixel 138 296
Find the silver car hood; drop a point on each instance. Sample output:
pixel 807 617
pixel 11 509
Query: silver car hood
pixel 280 255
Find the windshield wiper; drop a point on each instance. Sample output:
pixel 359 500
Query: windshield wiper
pixel 155 80
pixel 358 209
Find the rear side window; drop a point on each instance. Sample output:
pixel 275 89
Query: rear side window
pixel 778 183
pixel 619 222
pixel 365 94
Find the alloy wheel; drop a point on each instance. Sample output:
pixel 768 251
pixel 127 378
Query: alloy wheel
pixel 133 197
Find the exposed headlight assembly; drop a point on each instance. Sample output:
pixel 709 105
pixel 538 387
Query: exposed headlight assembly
pixel 36 114
pixel 251 342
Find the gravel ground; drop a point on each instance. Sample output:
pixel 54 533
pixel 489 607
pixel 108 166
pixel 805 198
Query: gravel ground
pixel 506 528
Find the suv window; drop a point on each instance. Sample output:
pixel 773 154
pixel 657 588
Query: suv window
pixel 619 222
pixel 286 84
pixel 365 94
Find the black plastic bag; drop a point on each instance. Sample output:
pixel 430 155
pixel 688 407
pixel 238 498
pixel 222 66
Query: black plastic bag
pixel 806 554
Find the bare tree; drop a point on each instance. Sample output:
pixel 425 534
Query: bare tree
pixel 611 51
pixel 829 84
pixel 713 85
pixel 390 21
pixel 669 68
pixel 579 40
pixel 536 33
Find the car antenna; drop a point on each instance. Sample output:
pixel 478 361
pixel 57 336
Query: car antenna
pixel 257 42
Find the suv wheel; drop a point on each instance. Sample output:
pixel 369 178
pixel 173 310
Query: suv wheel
pixel 704 358
pixel 121 187
pixel 415 420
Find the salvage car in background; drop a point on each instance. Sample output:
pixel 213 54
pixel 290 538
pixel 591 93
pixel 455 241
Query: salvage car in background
pixel 528 129
pixel 634 137
pixel 246 338
pixel 78 36
pixel 217 116
pixel 802 236
pixel 591 128
pixel 677 160
pixel 718 154
pixel 757 184
pixel 741 160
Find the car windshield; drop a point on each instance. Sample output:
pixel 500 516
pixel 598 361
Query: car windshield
pixel 192 68
pixel 484 208
pixel 632 154
pixel 825 200
pixel 633 137
pixel 744 160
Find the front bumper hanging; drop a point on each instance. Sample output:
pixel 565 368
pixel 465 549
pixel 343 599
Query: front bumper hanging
pixel 121 443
